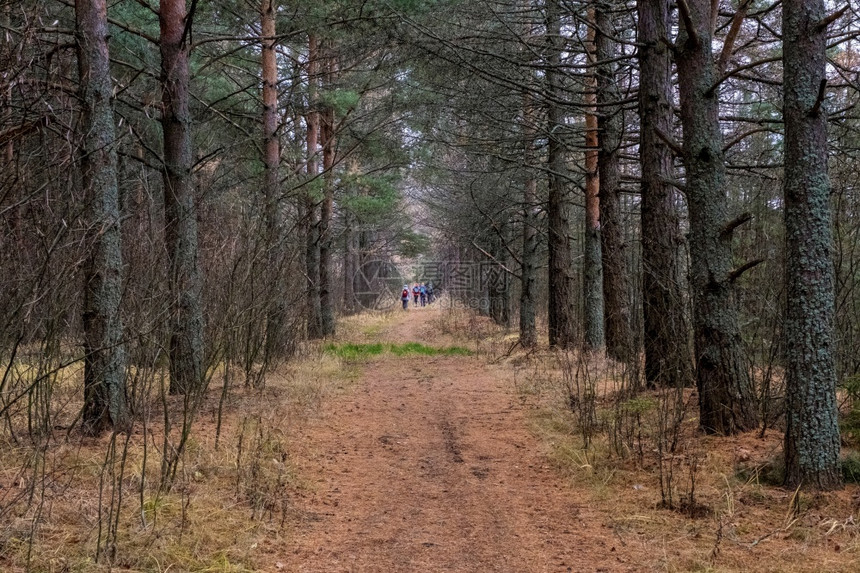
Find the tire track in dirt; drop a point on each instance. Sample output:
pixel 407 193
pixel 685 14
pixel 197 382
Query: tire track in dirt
pixel 428 466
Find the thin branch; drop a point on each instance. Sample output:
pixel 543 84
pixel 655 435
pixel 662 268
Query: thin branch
pixel 676 149
pixel 677 184
pixel 189 21
pixel 827 20
pixel 669 44
pixel 495 260
pixel 816 109
pixel 692 35
pixel 715 13
pixel 748 66
pixel 744 135
pixel 736 273
pixel 14 133
pixel 118 24
pixel 732 35
pixel 730 227
pixel 148 6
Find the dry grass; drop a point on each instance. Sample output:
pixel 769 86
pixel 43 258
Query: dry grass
pixel 71 503
pixel 739 518
pixel 60 506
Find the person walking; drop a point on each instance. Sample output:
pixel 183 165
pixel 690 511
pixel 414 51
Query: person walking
pixel 404 297
pixel 422 290
pixel 415 294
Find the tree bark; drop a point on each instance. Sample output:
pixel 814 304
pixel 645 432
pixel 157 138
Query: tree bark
pixel 727 402
pixel 186 316
pixel 349 265
pixel 668 356
pixel 619 336
pixel 812 430
pixel 104 349
pixel 560 299
pixel 311 215
pixel 528 259
pixel 329 146
pixel 592 271
pixel 276 307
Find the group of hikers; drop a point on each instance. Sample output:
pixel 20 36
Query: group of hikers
pixel 421 293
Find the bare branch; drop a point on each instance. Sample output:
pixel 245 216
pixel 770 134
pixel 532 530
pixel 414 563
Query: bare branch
pixel 189 22
pixel 120 25
pixel 692 35
pixel 730 227
pixel 748 66
pixel 495 260
pixel 676 149
pixel 669 44
pixel 732 35
pixel 827 20
pixel 677 184
pixel 715 14
pixel 14 133
pixel 822 88
pixel 736 273
pixel 731 143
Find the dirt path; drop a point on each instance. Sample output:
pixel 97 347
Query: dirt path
pixel 428 466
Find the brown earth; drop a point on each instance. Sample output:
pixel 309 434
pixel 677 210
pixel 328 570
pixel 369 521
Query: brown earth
pixel 419 464
pixel 453 464
pixel 429 466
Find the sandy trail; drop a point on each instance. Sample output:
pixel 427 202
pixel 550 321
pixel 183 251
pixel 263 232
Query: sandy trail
pixel 428 466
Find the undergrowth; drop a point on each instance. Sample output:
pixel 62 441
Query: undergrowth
pixel 637 454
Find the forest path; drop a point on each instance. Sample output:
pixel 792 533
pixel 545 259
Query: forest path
pixel 428 465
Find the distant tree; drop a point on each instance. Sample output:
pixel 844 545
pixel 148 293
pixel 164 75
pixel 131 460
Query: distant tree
pixel 104 347
pixel 528 257
pixel 180 206
pixel 668 360
pixel 328 142
pixel 560 297
pixel 274 241
pixel 812 430
pixel 310 218
pixel 592 265
pixel 610 128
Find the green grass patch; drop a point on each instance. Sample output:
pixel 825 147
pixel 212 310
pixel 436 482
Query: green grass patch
pixel 349 351
pixel 418 348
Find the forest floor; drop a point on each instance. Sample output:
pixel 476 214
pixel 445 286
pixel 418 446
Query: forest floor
pixel 420 441
pixel 429 466
pixel 438 464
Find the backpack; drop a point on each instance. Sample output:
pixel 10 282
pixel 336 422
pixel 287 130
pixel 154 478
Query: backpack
pixel 405 293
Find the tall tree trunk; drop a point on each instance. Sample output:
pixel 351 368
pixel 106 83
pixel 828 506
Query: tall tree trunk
pixel 560 299
pixel 592 271
pixel 668 357
pixel 186 316
pixel 351 249
pixel 811 429
pixel 619 336
pixel 349 265
pixel 276 307
pixel 727 402
pixel 104 349
pixel 329 146
pixel 528 259
pixel 311 218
